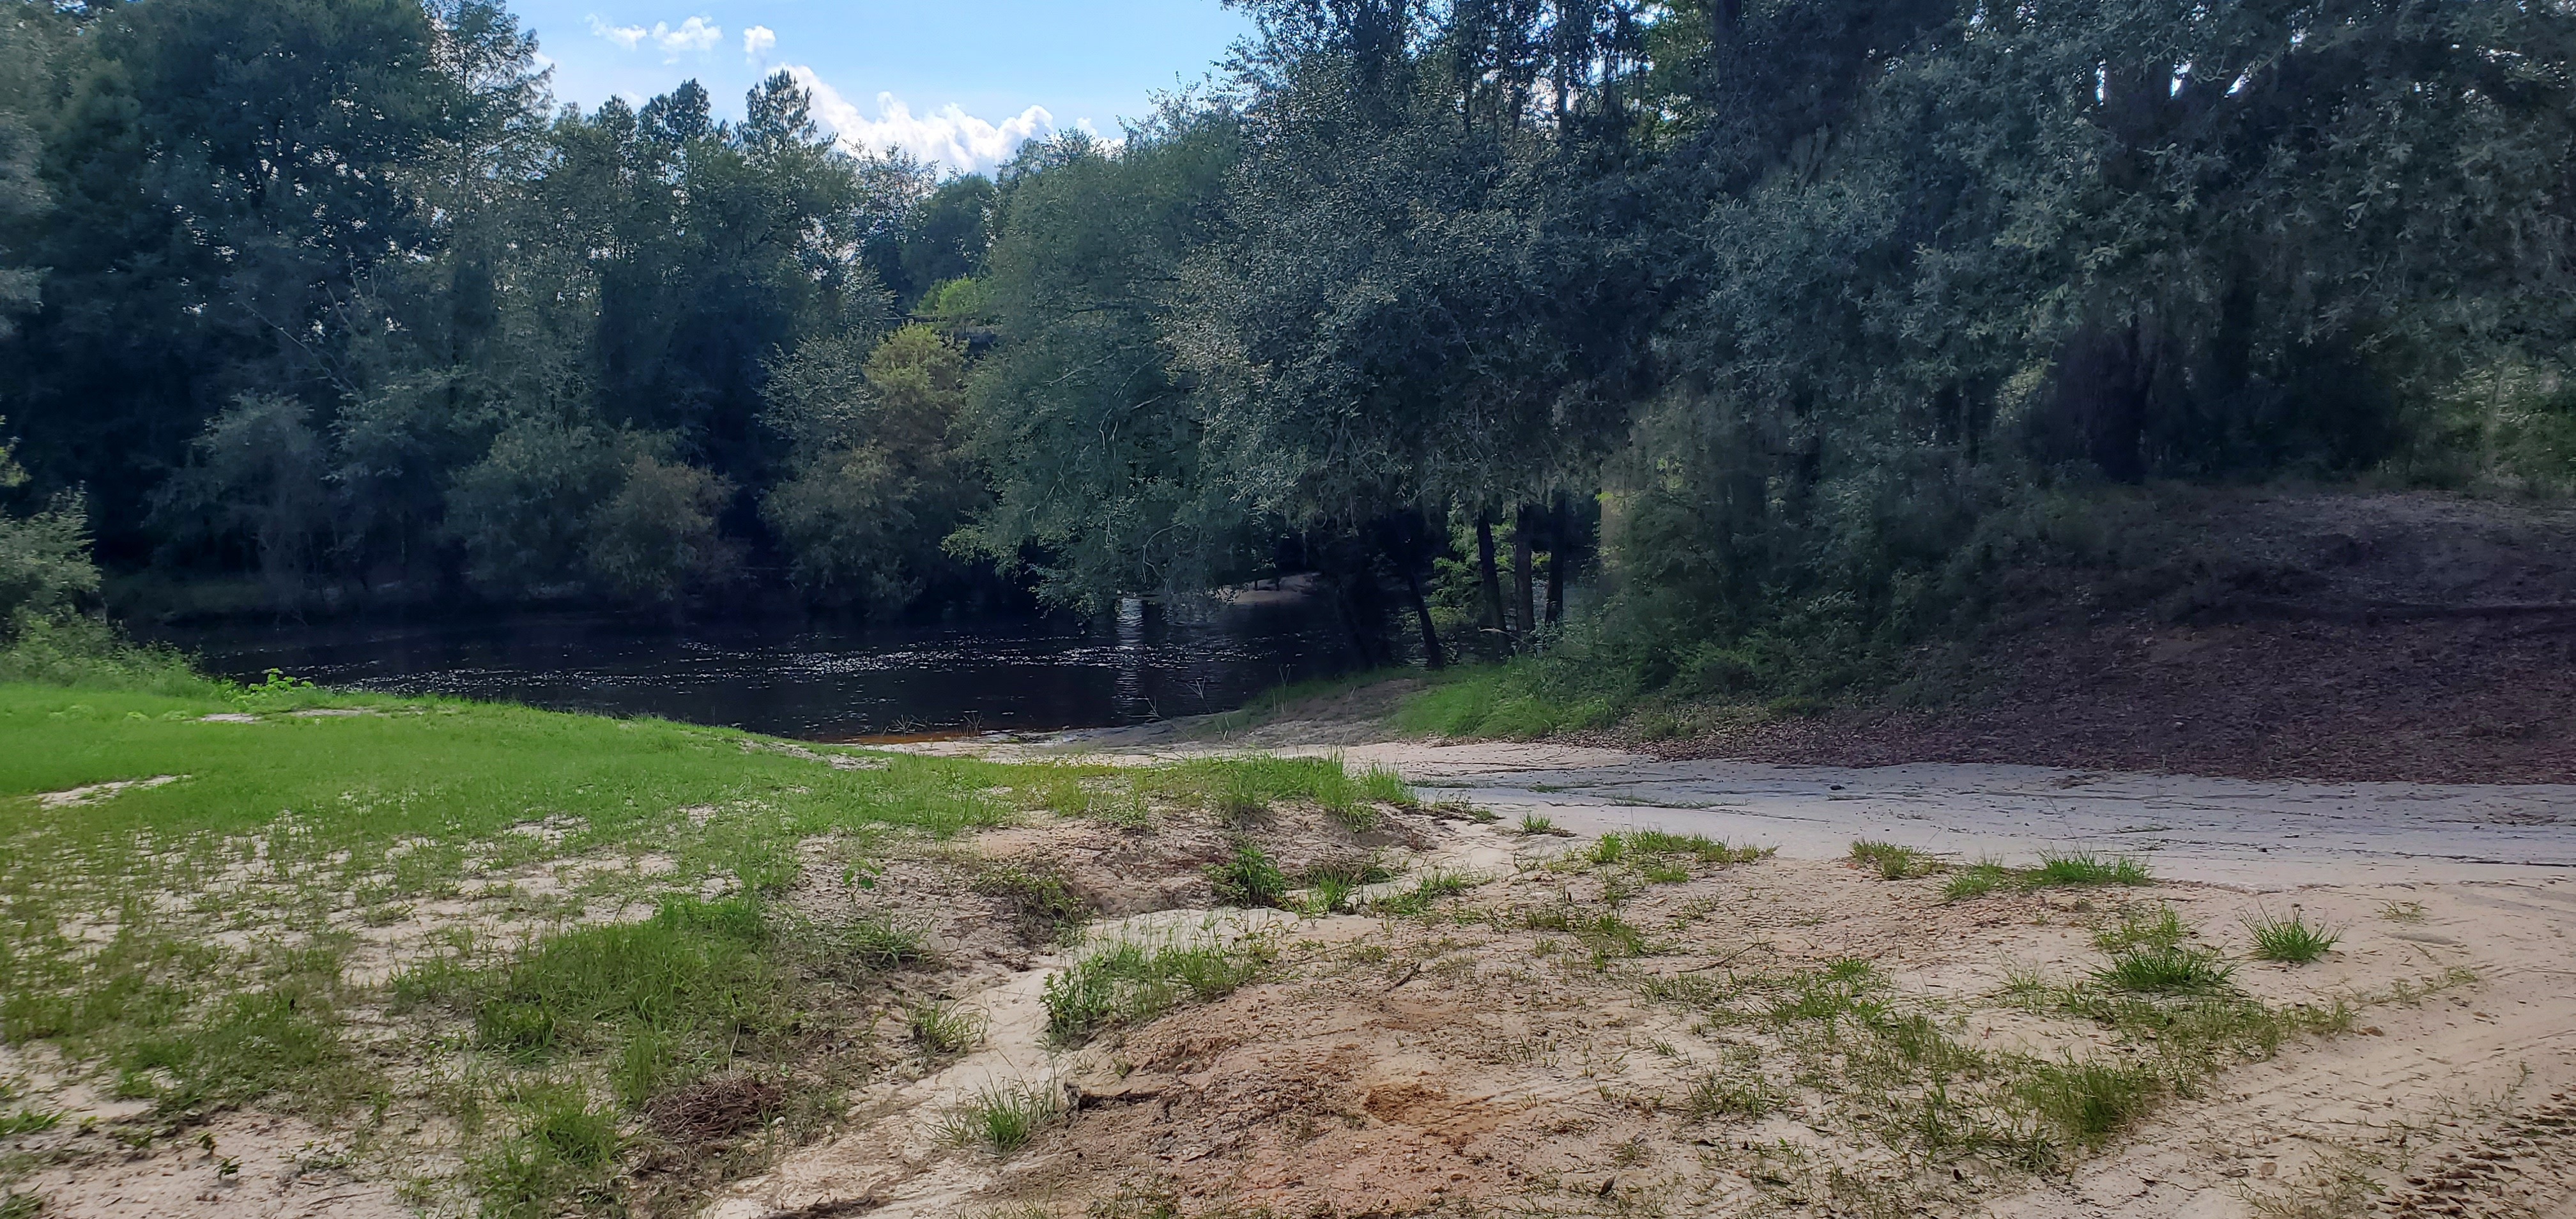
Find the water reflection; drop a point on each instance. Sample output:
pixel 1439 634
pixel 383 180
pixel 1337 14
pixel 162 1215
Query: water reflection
pixel 821 683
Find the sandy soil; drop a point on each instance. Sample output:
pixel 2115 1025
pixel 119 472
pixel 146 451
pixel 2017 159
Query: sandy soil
pixel 1399 1065
pixel 1502 1051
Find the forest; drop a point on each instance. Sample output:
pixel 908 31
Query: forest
pixel 1780 327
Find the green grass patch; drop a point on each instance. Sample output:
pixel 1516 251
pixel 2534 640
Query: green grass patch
pixel 565 1149
pixel 1239 788
pixel 2086 869
pixel 1893 862
pixel 1248 877
pixel 2091 1101
pixel 2076 870
pixel 1425 893
pixel 669 1000
pixel 2289 940
pixel 1002 1118
pixel 2163 970
pixel 1129 983
pixel 1517 699
pixel 2159 928
pixel 945 1028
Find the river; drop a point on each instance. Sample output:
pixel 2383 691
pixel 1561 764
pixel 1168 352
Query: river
pixel 808 680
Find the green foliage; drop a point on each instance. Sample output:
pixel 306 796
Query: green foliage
pixel 565 1149
pixel 1524 699
pixel 2165 970
pixel 878 480
pixel 2291 939
pixel 1247 877
pixel 2092 1100
pixel 2162 929
pixel 674 995
pixel 2085 869
pixel 1893 862
pixel 1002 1118
pixel 1129 983
pixel 945 1028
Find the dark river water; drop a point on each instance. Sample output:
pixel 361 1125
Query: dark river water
pixel 815 682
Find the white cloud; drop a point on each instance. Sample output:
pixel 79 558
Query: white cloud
pixel 694 34
pixel 948 137
pixel 758 42
pixel 623 35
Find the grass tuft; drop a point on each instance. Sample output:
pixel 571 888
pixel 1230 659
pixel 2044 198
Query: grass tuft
pixel 1130 983
pixel 566 1150
pixel 1002 1118
pixel 1893 862
pixel 2165 971
pixel 1248 877
pixel 2086 869
pixel 945 1028
pixel 2162 929
pixel 2290 939
pixel 2090 1101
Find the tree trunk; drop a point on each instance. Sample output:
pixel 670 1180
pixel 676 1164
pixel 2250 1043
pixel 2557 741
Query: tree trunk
pixel 1524 524
pixel 1558 527
pixel 1494 619
pixel 1431 654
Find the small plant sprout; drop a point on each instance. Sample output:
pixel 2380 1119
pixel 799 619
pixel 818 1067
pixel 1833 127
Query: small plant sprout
pixel 2288 940
pixel 1533 823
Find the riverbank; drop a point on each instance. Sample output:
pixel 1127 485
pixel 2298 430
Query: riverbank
pixel 485 959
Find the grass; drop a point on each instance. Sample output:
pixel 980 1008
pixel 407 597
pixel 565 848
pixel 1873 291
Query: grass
pixel 1433 886
pixel 566 1148
pixel 1241 788
pixel 2290 940
pixel 1893 862
pixel 2160 929
pixel 192 941
pixel 1715 1096
pixel 1516 699
pixel 1002 1118
pixel 1129 983
pixel 2158 970
pixel 1330 882
pixel 666 1001
pixel 1248 877
pixel 2076 870
pixel 945 1028
pixel 2086 869
pixel 1534 823
pixel 1042 899
pixel 2090 1101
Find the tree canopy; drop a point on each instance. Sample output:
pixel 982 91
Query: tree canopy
pixel 1794 304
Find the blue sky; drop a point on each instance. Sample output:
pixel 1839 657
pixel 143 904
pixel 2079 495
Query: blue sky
pixel 959 83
